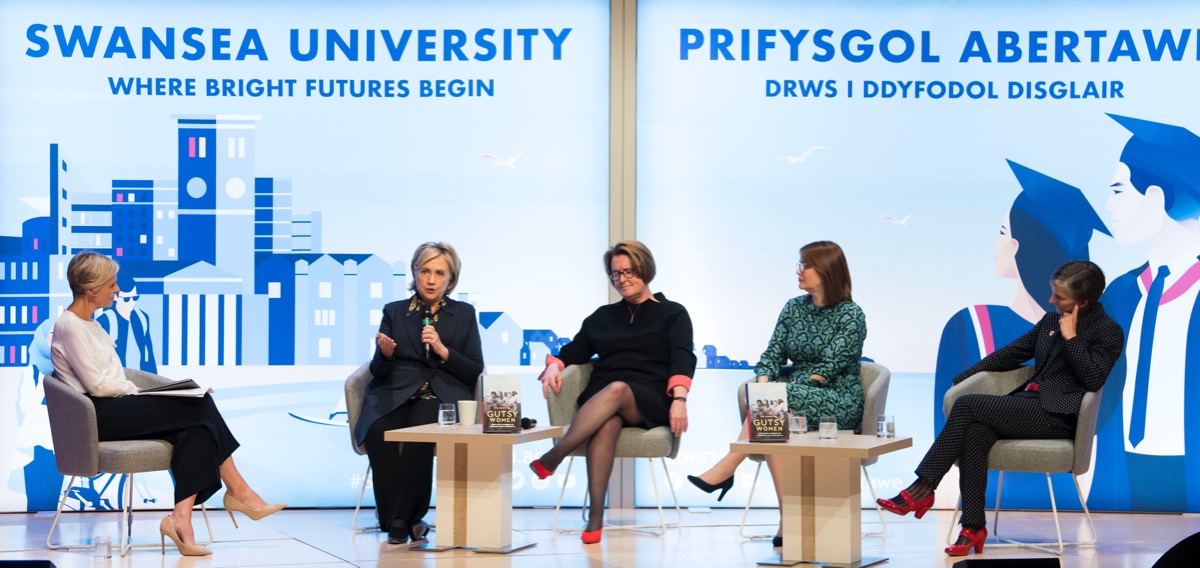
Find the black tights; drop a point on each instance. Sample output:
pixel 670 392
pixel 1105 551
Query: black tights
pixel 598 423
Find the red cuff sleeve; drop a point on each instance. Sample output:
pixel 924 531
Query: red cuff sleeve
pixel 679 381
pixel 550 359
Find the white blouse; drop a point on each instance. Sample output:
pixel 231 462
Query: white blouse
pixel 85 357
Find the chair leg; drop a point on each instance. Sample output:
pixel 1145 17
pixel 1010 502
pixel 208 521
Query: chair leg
pixel 126 513
pixel 1086 513
pixel 561 492
pixel 358 506
pixel 954 521
pixel 62 501
pixel 878 509
pixel 996 514
pixel 1055 547
pixel 746 511
pixel 207 526
pixel 662 523
pixel 1054 507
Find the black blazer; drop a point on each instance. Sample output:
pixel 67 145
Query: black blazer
pixel 395 380
pixel 1064 369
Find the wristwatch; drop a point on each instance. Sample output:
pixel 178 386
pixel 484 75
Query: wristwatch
pixel 683 398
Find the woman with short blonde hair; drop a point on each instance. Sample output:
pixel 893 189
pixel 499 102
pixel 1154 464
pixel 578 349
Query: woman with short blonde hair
pixel 85 359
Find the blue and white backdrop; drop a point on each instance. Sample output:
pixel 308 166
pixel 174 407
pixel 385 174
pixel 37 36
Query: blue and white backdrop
pixel 263 174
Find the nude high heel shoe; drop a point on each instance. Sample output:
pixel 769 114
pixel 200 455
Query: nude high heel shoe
pixel 232 504
pixel 167 530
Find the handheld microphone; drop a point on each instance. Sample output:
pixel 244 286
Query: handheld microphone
pixel 426 319
pixel 527 423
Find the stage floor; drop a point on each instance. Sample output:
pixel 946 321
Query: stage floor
pixel 323 537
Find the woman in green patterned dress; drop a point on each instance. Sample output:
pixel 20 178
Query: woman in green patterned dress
pixel 822 334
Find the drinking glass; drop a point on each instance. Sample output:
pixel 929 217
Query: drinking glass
pixel 886 426
pixel 798 423
pixel 448 416
pixel 103 549
pixel 828 428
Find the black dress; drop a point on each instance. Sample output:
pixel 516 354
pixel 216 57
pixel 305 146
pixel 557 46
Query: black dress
pixel 643 345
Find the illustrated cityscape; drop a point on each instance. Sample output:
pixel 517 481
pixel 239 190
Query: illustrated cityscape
pixel 217 268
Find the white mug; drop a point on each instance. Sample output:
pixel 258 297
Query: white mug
pixel 467 409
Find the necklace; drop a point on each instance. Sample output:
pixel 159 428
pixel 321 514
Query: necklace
pixel 633 310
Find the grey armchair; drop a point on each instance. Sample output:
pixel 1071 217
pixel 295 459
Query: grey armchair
pixel 875 381
pixel 78 451
pixel 1072 456
pixel 655 443
pixel 355 391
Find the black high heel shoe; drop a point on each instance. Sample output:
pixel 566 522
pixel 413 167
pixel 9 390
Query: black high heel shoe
pixel 707 487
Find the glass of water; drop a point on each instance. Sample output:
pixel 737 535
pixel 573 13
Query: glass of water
pixel 103 548
pixel 886 427
pixel 448 416
pixel 797 423
pixel 828 428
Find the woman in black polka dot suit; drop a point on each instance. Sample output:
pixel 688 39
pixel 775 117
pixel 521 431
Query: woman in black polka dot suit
pixel 1074 350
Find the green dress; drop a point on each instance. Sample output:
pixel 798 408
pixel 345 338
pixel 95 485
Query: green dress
pixel 819 341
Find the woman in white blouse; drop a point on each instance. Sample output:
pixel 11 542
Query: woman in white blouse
pixel 85 358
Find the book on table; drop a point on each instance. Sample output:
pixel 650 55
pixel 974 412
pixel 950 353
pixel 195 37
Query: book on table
pixel 501 404
pixel 767 412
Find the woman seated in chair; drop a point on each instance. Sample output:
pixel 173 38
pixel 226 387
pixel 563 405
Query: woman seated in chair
pixel 427 353
pixel 1074 349
pixel 85 359
pixel 822 333
pixel 641 378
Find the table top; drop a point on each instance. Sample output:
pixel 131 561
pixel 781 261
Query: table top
pixel 472 434
pixel 845 446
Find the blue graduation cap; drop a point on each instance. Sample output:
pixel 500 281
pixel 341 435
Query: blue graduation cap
pixel 1167 156
pixel 1060 207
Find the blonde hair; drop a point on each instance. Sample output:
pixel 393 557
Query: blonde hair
pixel 90 270
pixel 639 256
pixel 429 251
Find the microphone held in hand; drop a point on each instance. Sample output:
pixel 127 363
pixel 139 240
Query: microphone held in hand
pixel 426 319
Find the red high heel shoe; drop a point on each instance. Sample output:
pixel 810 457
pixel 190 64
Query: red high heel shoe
pixel 540 470
pixel 592 537
pixel 910 504
pixel 974 540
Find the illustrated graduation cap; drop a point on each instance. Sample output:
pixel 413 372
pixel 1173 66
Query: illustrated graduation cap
pixel 1167 156
pixel 1060 207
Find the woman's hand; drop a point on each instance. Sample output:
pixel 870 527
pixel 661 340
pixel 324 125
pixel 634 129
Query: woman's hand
pixel 430 336
pixel 679 419
pixel 1067 322
pixel 764 379
pixel 817 378
pixel 551 380
pixel 386 345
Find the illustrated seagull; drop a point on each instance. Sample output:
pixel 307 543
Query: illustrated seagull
pixel 902 222
pixel 499 162
pixel 803 158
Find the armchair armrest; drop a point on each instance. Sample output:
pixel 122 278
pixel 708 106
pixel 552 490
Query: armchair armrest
pixel 987 382
pixel 562 405
pixel 145 380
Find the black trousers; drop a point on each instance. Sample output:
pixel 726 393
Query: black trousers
pixel 976 422
pixel 201 439
pixel 403 480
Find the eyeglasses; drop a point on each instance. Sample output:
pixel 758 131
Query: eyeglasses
pixel 132 298
pixel 619 274
pixel 801 266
